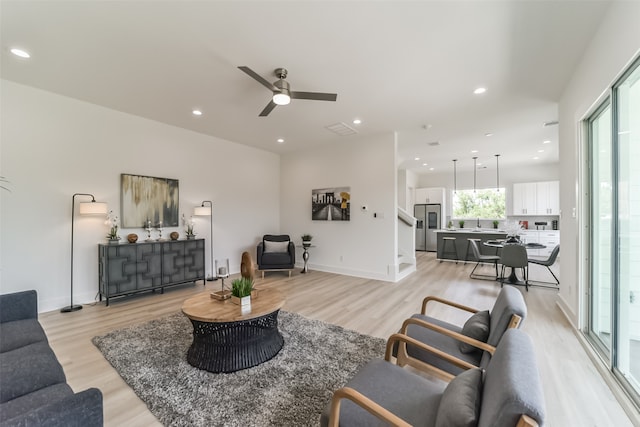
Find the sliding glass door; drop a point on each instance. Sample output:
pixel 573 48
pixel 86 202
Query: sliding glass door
pixel 614 232
pixel 601 152
pixel 627 115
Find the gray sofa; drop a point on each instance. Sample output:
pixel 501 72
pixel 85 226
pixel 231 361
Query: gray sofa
pixel 33 389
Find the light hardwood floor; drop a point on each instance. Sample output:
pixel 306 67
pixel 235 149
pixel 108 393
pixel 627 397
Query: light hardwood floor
pixel 575 393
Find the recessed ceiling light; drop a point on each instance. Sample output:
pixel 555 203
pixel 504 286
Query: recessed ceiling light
pixel 480 90
pixel 546 141
pixel 474 151
pixel 536 158
pixel 425 164
pixel 416 158
pixel 488 134
pixel 197 112
pixel 21 53
pixel 357 121
pixel 540 151
pixel 280 140
pixel 479 164
pixel 431 169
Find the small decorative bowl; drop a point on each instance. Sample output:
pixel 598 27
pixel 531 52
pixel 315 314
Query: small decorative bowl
pixel 132 238
pixel 174 235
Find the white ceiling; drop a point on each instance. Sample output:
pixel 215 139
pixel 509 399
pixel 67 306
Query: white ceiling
pixel 405 66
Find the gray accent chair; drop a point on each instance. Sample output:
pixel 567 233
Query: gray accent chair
pixel 468 348
pixel 548 263
pixel 483 259
pixel 34 391
pixel 276 252
pixel 507 394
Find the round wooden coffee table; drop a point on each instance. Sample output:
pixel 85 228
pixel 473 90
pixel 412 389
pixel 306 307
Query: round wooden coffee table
pixel 227 338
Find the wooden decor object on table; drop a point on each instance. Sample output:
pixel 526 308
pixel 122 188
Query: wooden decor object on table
pixel 247 267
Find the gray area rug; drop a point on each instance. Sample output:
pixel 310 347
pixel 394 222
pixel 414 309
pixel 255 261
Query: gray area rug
pixel 291 389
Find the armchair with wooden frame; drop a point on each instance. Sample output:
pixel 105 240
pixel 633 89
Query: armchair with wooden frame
pixel 507 394
pixel 470 347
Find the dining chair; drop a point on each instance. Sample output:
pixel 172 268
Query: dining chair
pixel 483 259
pixel 548 262
pixel 514 256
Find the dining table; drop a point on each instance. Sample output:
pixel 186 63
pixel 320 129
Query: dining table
pixel 499 244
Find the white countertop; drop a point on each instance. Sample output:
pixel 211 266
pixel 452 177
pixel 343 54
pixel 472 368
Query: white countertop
pixel 471 230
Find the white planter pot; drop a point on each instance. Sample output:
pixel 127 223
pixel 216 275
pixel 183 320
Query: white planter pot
pixel 241 301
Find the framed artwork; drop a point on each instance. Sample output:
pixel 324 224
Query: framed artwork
pixel 331 204
pixel 147 198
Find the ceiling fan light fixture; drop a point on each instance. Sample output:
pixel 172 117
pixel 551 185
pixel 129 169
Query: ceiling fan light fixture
pixel 281 98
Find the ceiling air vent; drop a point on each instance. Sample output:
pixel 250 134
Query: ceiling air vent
pixel 434 144
pixel 341 129
pixel 552 123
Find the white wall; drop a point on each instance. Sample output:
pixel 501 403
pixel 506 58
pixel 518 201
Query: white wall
pixel 363 246
pixel 613 47
pixel 53 146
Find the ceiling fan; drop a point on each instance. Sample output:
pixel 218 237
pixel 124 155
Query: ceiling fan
pixel 282 93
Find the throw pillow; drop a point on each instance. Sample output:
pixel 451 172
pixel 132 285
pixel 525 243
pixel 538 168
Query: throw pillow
pixel 460 404
pixel 476 327
pixel 275 246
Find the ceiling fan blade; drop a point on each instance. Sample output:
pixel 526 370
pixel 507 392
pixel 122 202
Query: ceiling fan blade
pixel 270 106
pixel 315 96
pixel 258 77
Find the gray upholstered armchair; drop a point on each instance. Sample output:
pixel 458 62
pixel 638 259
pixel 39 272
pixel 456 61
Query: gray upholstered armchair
pixel 472 344
pixel 508 394
pixel 276 252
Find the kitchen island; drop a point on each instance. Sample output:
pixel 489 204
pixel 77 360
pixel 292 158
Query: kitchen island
pixel 461 236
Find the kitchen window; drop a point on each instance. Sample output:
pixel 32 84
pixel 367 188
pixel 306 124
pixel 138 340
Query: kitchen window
pixel 486 203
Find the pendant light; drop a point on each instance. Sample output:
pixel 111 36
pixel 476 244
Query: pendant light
pixel 497 173
pixel 474 173
pixel 454 177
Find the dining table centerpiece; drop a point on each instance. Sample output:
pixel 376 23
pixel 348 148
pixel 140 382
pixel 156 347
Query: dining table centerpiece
pixel 513 230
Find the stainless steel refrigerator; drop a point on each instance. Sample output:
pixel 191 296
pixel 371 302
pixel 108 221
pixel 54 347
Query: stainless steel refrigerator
pixel 428 220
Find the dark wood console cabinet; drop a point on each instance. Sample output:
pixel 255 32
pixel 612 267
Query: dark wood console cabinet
pixel 138 267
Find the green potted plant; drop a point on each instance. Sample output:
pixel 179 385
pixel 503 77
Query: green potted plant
pixel 495 223
pixel 306 240
pixel 461 223
pixel 241 291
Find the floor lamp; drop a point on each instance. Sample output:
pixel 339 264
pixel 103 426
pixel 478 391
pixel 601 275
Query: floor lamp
pixel 204 210
pixel 86 208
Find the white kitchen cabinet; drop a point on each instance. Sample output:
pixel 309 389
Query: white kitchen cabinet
pixel 429 195
pixel 549 238
pixel 536 198
pixel 524 198
pixel 548 198
pixel 530 236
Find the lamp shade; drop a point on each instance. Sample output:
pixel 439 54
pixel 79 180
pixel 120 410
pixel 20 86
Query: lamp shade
pixel 93 208
pixel 202 210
